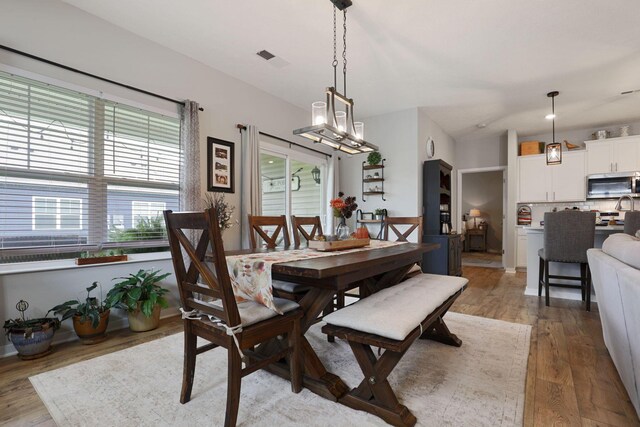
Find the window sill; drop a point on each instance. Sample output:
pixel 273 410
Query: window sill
pixel 69 264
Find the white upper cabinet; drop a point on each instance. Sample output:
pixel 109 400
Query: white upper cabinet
pixel 539 182
pixel 613 155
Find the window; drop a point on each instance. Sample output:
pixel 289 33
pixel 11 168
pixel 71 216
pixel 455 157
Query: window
pixel 304 194
pixel 141 211
pixel 79 173
pixel 50 213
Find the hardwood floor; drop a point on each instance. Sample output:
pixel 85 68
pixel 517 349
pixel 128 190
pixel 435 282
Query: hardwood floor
pixel 571 379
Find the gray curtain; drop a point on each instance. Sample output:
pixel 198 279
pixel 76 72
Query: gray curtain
pixel 190 196
pixel 333 187
pixel 251 195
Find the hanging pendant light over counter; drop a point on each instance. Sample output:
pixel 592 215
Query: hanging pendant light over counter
pixel 331 125
pixel 554 150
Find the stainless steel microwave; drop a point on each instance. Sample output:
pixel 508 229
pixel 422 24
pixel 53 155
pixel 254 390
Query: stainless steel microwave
pixel 613 185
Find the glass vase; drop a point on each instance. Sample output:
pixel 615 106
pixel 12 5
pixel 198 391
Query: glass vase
pixel 342 229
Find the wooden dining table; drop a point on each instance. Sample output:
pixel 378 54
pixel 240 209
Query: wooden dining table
pixel 371 270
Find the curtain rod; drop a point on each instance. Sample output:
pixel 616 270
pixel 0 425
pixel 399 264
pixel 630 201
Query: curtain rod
pixel 84 73
pixel 243 127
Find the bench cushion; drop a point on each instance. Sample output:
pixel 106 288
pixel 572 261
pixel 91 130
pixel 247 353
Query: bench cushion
pixel 396 311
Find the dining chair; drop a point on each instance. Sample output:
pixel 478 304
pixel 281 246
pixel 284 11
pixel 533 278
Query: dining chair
pixel 632 222
pixel 402 234
pixel 567 237
pixel 237 327
pixel 298 224
pixel 258 226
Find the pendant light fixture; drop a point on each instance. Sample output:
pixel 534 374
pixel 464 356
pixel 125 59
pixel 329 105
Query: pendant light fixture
pixel 331 125
pixel 554 150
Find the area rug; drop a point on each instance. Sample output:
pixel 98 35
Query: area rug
pixel 481 383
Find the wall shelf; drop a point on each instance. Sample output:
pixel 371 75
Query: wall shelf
pixel 367 179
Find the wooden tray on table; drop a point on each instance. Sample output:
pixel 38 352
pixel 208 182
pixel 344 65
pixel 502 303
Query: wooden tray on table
pixel 338 245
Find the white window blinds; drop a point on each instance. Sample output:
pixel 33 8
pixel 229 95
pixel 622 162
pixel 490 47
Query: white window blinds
pixel 79 173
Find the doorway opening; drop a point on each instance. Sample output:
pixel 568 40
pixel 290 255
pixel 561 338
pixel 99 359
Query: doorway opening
pixel 482 207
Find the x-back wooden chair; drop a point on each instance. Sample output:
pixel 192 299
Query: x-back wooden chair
pixel 298 224
pixel 401 234
pixel 257 226
pixel 238 327
pixel 289 290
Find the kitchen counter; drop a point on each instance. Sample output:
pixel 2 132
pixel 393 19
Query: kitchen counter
pixel 535 241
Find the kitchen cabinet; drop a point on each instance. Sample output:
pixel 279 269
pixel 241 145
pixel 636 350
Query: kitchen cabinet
pixel 613 155
pixel 521 248
pixel 539 182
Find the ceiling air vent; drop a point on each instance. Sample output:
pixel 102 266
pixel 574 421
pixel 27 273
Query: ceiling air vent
pixel 266 55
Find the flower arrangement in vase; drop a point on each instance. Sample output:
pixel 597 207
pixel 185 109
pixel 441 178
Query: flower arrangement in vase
pixel 343 208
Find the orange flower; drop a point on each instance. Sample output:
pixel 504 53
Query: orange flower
pixel 337 203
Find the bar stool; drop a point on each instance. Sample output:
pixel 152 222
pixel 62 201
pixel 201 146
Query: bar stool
pixel 567 236
pixel 632 222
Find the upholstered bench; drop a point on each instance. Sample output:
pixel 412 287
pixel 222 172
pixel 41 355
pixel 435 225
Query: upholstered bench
pixel 392 319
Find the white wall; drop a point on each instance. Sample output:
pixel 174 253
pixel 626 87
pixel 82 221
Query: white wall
pixel 396 134
pixel 481 153
pixel 402 137
pixel 61 33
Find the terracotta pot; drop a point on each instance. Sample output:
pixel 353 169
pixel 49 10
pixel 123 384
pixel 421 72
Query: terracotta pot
pixel 138 322
pixel 87 333
pixel 33 344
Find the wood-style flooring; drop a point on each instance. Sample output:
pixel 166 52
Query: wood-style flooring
pixel 571 379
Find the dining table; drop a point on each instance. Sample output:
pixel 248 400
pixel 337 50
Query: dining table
pixel 370 270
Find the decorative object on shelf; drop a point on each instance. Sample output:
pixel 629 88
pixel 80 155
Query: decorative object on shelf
pixel 373 185
pixel 31 337
pixel 224 210
pixel 374 158
pixel 141 297
pixel 343 208
pixel 431 148
pixel 571 146
pixel 380 214
pixel 624 130
pixel 100 258
pixel 315 174
pixel 524 215
pixel 90 318
pixel 601 134
pixel 528 148
pixel 329 126
pixel 554 149
pixel 475 213
pixel 220 165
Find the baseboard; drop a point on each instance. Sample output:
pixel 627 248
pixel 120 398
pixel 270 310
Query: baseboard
pixel 69 335
pixel 571 294
pixel 510 271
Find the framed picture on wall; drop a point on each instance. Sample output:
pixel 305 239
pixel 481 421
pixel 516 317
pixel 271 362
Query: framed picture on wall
pixel 220 161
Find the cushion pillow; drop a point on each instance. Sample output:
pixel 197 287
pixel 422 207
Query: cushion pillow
pixel 396 311
pixel 252 312
pixel 624 248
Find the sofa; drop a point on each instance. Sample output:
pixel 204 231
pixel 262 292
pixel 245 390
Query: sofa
pixel 616 279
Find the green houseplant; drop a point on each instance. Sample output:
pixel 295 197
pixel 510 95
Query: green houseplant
pixel 31 337
pixel 90 318
pixel 141 297
pixel 374 158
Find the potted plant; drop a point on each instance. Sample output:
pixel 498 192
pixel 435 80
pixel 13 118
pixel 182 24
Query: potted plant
pixel 141 297
pixel 31 337
pixel 374 158
pixel 90 318
pixel 380 213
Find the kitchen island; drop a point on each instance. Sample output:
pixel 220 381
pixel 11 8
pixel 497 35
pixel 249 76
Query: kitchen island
pixel 535 241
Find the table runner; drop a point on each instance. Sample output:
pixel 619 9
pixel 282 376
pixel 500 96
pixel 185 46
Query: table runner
pixel 251 273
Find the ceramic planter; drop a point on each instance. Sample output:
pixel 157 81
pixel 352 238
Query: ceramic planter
pixel 32 344
pixel 138 322
pixel 87 333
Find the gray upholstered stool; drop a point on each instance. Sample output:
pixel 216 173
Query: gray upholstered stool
pixel 632 222
pixel 567 236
